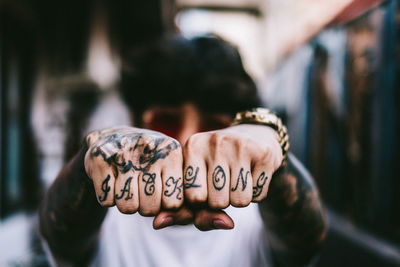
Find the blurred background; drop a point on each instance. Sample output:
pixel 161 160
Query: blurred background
pixel 329 68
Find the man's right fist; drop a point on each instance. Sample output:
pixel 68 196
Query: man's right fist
pixel 135 169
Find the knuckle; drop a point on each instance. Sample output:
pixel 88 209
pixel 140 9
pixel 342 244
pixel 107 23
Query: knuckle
pixel 193 142
pixel 218 203
pixel 172 205
pixel 218 139
pixel 196 196
pixel 240 201
pixel 127 209
pixel 149 211
pixel 107 202
pixel 91 138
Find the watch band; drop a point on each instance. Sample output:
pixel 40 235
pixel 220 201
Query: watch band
pixel 263 116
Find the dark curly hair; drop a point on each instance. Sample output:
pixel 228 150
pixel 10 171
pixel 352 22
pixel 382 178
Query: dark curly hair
pixel 205 70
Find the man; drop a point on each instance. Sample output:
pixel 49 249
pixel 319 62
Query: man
pixel 185 165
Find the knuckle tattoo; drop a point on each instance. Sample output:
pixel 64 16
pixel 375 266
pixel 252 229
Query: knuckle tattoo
pixel 243 178
pixel 111 148
pixel 219 178
pixel 190 177
pixel 258 188
pixel 173 185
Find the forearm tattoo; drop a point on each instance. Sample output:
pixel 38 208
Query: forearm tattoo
pixel 219 178
pixel 242 178
pixel 190 177
pixel 294 216
pixel 70 216
pixel 261 180
pixel 173 185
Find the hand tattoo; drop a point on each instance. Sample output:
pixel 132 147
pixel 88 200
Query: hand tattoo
pixel 219 178
pixel 177 185
pixel 243 179
pixel 150 146
pixel 127 189
pixel 190 178
pixel 149 179
pixel 105 188
pixel 262 179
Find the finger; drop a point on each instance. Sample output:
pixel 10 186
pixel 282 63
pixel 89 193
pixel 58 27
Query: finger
pixel 195 173
pixel 218 183
pixel 126 192
pixel 103 177
pixel 241 186
pixel 182 216
pixel 172 182
pixel 206 219
pixel 261 180
pixel 150 188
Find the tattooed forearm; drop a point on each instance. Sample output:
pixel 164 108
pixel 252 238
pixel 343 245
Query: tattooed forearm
pixel 149 180
pixel 105 188
pixel 261 180
pixel 294 216
pixel 176 186
pixel 127 189
pixel 190 177
pixel 219 178
pixel 70 215
pixel 242 178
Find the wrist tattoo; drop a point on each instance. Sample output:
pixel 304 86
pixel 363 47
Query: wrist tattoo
pixel 105 188
pixel 261 180
pixel 127 189
pixel 149 179
pixel 243 179
pixel 190 177
pixel 218 178
pixel 176 186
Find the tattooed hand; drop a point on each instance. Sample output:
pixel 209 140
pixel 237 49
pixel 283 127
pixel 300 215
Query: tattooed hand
pixel 232 166
pixel 135 169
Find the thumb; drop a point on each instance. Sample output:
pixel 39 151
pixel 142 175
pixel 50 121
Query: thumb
pixel 208 219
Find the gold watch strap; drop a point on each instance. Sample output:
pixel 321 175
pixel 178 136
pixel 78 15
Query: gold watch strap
pixel 263 116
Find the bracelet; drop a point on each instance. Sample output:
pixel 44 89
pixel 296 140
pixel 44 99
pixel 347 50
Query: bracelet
pixel 263 116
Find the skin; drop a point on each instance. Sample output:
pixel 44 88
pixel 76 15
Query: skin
pixel 185 180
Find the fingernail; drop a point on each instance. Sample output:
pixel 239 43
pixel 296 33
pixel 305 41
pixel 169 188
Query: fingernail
pixel 220 224
pixel 167 221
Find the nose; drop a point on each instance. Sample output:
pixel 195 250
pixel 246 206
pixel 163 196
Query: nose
pixel 190 123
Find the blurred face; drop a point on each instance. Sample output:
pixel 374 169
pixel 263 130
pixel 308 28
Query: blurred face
pixel 183 121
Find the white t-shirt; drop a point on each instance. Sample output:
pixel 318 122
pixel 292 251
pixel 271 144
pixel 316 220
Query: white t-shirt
pixel 130 240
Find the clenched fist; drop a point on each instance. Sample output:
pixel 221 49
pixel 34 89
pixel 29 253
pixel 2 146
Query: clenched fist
pixel 135 169
pixel 146 171
pixel 232 166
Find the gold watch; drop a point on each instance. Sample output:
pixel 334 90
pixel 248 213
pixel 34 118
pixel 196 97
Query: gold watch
pixel 263 116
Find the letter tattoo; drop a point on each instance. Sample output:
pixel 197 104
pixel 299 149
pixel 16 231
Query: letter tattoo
pixel 105 188
pixel 262 179
pixel 244 180
pixel 191 177
pixel 176 186
pixel 127 189
pixel 149 179
pixel 219 178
